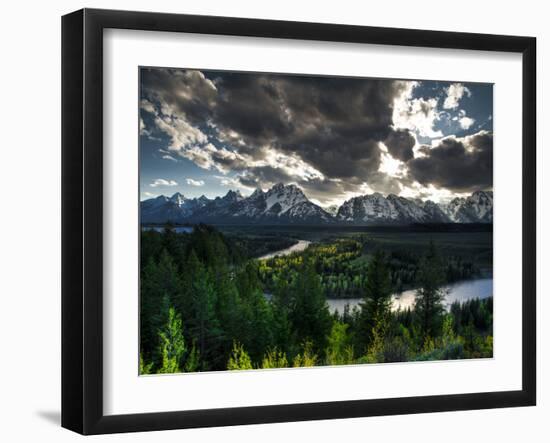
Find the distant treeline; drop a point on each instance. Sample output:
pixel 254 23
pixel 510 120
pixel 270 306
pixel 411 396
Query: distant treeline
pixel 342 266
pixel 255 246
pixel 202 308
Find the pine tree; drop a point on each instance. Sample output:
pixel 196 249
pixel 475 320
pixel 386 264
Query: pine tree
pixel 339 351
pixel 310 316
pixel 172 344
pixel 239 359
pixel 144 368
pixel 192 360
pixel 203 324
pixel 274 359
pixel 160 286
pixel 281 303
pixel 150 299
pixel 429 296
pixel 376 304
pixel 256 314
pixel 375 351
pixel 307 357
pixel 228 311
pixel 168 280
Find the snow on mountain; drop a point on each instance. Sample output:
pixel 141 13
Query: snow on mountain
pixel 188 205
pixel 288 204
pixel 477 208
pixel 280 203
pixel 368 208
pixel 307 212
pixel 277 205
pixel 408 210
pixel 434 212
pixel 178 198
pixel 173 209
pixel 285 196
pixel 375 208
pixel 480 203
pixel 332 209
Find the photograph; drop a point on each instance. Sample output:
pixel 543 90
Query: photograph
pixel 292 221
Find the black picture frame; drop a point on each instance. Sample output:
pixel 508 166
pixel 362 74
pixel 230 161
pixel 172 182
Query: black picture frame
pixel 82 218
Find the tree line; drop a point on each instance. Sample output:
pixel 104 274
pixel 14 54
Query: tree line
pixel 343 264
pixel 203 308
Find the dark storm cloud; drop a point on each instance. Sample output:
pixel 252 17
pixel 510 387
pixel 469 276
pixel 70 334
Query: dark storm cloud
pixel 334 124
pixel 251 106
pixel 264 174
pixel 179 91
pixel 235 122
pixel 400 144
pixel 461 165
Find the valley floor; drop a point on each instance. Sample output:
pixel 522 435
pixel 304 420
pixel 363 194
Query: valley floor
pixel 329 295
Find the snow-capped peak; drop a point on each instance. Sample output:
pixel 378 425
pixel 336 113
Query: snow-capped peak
pixel 233 196
pixel 178 198
pixel 285 196
pixel 476 208
pixel 257 193
pixel 288 204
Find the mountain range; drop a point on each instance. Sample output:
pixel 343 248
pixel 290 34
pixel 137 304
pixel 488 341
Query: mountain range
pixel 286 204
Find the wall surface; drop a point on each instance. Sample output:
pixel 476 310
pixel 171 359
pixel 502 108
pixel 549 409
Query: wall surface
pixel 30 222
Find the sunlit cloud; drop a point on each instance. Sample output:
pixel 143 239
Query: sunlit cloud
pixel 455 92
pixel 192 182
pixel 416 114
pixel 334 138
pixel 162 182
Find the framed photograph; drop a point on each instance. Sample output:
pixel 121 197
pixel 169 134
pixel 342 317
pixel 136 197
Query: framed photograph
pixel 269 221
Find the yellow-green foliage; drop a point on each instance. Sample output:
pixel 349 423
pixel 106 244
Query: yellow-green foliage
pixel 144 368
pixel 172 345
pixel 483 347
pixel 274 359
pixel 339 351
pixel 429 345
pixel 306 358
pixel 239 358
pixel 448 336
pixel 488 347
pixel 192 360
pixel 375 351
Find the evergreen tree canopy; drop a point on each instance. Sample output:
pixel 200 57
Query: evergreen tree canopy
pixel 376 303
pixel 429 295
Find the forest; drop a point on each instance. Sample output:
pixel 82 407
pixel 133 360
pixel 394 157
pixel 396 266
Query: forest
pixel 204 304
pixel 342 266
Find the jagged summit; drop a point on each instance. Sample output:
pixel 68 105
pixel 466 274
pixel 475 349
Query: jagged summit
pixel 375 208
pixel 178 198
pixel 288 204
pixel 257 193
pixel 233 196
pixel 476 208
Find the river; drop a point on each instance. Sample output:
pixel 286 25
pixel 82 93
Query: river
pixel 298 247
pixel 459 291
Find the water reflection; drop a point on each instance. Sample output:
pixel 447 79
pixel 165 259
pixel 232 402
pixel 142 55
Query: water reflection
pixel 298 247
pixel 460 291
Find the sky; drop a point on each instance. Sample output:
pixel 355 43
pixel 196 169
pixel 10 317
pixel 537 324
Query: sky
pixel 206 132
